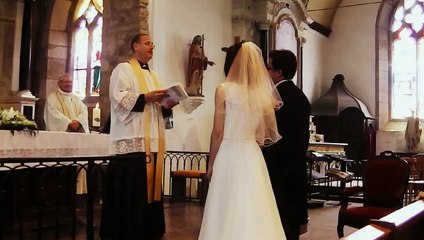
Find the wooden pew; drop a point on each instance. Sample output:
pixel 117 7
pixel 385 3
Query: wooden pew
pixel 403 224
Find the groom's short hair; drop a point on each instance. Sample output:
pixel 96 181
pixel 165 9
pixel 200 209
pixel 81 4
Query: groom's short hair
pixel 284 60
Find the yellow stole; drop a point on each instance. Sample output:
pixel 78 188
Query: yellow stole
pixel 65 109
pixel 154 168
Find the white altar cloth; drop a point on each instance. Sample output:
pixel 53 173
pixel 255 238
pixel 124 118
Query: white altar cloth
pixel 52 144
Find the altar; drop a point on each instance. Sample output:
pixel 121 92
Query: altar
pixel 44 172
pixel 49 144
pixel 52 144
pixel 328 148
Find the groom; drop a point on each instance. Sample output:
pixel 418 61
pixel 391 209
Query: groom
pixel 286 159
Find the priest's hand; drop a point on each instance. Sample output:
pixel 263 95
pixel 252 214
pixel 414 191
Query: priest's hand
pixel 73 126
pixel 168 103
pixel 155 96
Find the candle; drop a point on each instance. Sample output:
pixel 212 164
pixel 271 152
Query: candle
pixel 96 116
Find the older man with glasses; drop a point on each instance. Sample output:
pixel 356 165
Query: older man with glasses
pixel 64 111
pixel 132 202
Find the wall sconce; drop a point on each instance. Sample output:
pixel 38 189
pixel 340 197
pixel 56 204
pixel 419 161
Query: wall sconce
pixel 191 103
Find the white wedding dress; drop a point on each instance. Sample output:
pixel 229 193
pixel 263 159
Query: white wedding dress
pixel 240 204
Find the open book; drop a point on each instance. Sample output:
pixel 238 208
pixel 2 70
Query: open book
pixel 175 93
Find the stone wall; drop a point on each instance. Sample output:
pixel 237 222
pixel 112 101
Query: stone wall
pixel 121 21
pixel 10 16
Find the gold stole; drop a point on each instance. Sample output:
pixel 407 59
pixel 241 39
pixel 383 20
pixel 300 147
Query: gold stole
pixel 154 173
pixel 65 109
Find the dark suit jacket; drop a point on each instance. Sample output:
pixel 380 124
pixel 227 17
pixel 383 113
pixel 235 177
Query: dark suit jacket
pixel 286 159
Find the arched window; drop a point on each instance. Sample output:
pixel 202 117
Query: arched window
pixel 407 43
pixel 87 48
pixel 286 37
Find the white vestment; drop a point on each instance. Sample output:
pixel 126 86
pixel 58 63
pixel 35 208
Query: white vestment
pixel 127 130
pixel 61 108
pixel 58 105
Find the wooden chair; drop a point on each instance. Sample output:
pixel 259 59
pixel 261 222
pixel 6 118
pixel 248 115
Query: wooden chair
pixel 179 185
pixel 385 181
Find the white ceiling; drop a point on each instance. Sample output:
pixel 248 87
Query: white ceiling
pixel 323 11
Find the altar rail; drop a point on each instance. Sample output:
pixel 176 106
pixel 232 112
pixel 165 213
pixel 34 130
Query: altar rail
pixel 185 161
pixel 322 186
pixel 38 197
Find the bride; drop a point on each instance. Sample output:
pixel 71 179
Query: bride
pixel 240 202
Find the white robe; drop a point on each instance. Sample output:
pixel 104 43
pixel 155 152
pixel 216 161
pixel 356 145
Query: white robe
pixel 127 127
pixel 54 116
pixel 56 120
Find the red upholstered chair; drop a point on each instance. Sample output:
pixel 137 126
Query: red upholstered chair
pixel 385 181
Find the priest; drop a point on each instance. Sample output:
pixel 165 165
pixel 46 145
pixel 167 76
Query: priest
pixel 132 203
pixel 64 111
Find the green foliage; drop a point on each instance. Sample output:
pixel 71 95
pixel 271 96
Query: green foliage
pixel 14 121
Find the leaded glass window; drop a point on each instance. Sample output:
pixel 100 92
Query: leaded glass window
pixel 87 50
pixel 407 86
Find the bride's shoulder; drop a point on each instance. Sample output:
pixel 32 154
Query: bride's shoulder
pixel 228 85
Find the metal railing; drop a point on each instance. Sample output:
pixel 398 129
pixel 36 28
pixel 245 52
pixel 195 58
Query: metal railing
pixel 184 161
pixel 38 197
pixel 322 186
pixel 39 200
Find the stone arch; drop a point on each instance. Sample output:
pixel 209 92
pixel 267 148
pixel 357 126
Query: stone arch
pixel 297 50
pixel 121 20
pixel 51 50
pixel 295 12
pixel 40 51
pixel 383 58
pixel 58 41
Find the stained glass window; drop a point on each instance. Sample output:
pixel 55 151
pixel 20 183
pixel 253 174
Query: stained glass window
pixel 407 95
pixel 87 44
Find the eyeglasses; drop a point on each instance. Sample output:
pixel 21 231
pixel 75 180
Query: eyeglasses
pixel 149 44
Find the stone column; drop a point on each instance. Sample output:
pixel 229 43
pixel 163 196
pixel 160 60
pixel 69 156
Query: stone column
pixel 11 22
pixel 121 20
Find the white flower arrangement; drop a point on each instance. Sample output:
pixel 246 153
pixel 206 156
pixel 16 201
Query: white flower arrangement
pixel 13 120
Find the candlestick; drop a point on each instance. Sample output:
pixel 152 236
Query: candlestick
pixel 96 116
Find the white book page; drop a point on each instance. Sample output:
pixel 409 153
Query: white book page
pixel 175 93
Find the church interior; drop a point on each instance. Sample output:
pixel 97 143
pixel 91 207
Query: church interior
pixel 360 63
